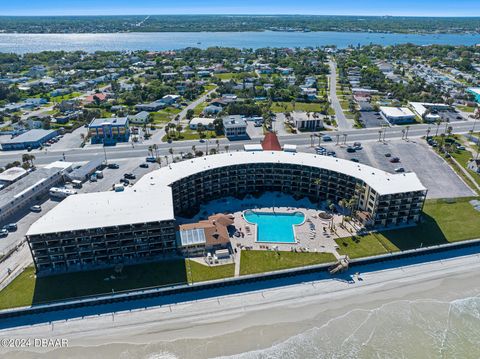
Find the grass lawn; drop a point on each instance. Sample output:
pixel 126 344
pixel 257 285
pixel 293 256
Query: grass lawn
pixel 466 108
pixel 266 261
pixel 443 222
pixel 199 108
pixel 27 290
pixel 201 273
pixel 188 134
pixel 69 96
pixel 299 106
pixel 165 115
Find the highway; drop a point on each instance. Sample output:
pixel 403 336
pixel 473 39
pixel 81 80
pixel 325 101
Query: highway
pixel 127 151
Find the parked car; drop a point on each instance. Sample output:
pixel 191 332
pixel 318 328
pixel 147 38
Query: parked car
pixel 326 138
pixel 3 232
pixel 144 165
pixel 36 208
pixel 113 166
pixel 395 160
pixel 125 181
pixel 350 149
pixel 11 227
pixel 129 176
pixel 388 155
pixel 150 159
pixel 354 160
pixel 399 169
pixel 357 145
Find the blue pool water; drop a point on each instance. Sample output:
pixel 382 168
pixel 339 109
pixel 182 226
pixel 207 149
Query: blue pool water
pixel 274 227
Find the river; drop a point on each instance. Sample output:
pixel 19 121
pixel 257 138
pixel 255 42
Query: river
pixel 157 41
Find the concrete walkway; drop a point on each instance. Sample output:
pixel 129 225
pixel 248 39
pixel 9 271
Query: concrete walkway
pixel 237 262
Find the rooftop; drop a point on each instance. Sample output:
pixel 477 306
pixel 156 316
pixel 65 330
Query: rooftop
pixel 396 111
pixel 24 184
pixel 12 174
pixel 113 121
pixel 29 136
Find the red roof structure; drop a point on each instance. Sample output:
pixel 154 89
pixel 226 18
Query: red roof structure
pixel 271 143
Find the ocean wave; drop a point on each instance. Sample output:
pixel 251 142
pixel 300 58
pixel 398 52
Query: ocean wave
pixel 412 329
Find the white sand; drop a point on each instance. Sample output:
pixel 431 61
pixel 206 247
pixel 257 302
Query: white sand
pixel 254 320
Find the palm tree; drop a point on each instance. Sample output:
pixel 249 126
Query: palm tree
pixel 32 157
pixel 218 145
pixel 437 122
pixel 155 148
pixel 166 159
pixel 226 148
pixel 343 203
pixel 194 149
pixel 150 150
pixel 170 150
pixel 179 129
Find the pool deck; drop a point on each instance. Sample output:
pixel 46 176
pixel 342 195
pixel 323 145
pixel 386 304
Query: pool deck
pixel 314 235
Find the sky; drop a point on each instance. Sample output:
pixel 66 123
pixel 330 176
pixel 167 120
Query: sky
pixel 311 7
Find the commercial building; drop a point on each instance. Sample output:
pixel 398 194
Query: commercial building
pixel 109 131
pixel 30 139
pixel 303 122
pixel 475 91
pixel 397 115
pixel 429 111
pixel 11 175
pixel 235 127
pixel 109 228
pixel 24 191
pixel 207 123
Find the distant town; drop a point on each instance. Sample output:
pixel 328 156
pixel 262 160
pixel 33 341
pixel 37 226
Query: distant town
pixel 212 23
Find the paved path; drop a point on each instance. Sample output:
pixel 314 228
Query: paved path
pixel 237 262
pixel 342 122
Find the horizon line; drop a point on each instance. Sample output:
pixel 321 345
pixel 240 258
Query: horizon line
pixel 246 14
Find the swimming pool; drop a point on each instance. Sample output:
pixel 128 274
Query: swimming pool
pixel 274 227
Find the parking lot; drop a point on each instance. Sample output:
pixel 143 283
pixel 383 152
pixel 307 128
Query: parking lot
pixel 451 116
pixel 370 119
pixel 415 156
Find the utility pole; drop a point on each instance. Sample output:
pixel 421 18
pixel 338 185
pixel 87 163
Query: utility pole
pixel 384 132
pixel 345 138
pixel 105 153
pixel 379 135
pixel 338 138
pixel 406 133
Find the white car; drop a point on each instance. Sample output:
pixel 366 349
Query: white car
pixel 36 208
pixel 3 232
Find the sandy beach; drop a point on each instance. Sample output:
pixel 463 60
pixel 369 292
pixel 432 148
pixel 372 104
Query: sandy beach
pixel 271 323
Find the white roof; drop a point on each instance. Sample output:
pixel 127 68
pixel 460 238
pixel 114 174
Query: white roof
pixel 104 209
pixel 421 107
pixel 397 112
pixel 253 147
pixel 475 90
pixel 150 199
pixel 203 120
pixel 12 174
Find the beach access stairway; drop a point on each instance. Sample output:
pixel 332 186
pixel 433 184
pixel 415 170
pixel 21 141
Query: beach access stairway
pixel 340 266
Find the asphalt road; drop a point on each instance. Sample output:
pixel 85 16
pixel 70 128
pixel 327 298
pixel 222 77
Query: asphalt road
pixel 141 150
pixel 342 121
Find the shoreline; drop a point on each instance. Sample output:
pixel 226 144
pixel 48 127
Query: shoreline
pixel 258 319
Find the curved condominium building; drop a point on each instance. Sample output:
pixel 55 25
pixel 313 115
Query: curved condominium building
pixel 102 229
